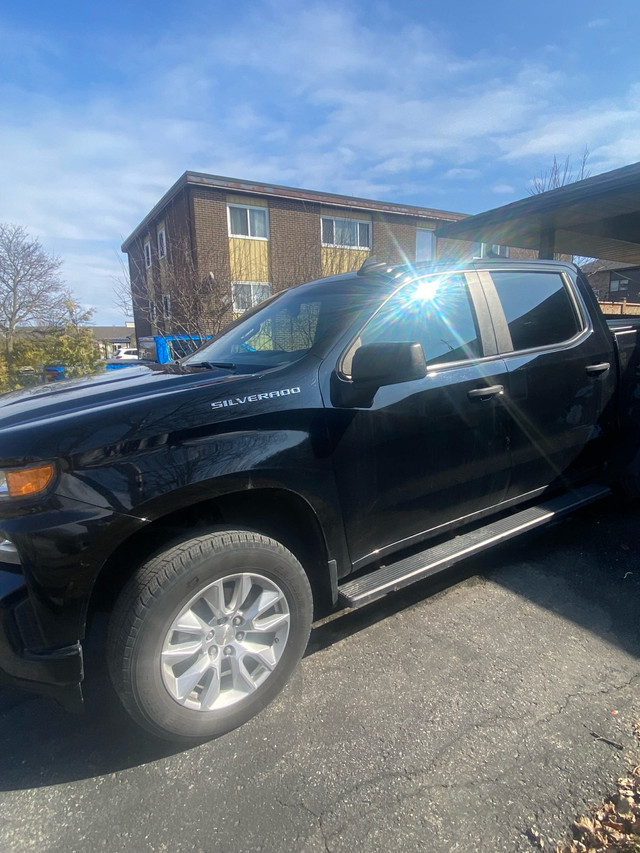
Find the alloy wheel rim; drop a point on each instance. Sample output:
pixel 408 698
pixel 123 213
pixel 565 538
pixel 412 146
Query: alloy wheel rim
pixel 225 642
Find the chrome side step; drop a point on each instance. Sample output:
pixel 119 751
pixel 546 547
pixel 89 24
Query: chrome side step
pixel 392 577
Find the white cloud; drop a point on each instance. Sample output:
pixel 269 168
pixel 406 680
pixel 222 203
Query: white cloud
pixel 503 189
pixel 90 270
pixel 610 130
pixel 459 174
pixel 395 165
pixel 598 23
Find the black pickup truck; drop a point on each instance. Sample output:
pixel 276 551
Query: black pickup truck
pixel 343 439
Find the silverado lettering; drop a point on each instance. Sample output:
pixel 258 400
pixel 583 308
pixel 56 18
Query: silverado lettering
pixel 254 398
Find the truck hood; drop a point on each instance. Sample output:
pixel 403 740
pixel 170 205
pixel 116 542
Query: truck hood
pixel 105 389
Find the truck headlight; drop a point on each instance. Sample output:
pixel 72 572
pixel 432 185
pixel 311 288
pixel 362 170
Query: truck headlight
pixel 23 482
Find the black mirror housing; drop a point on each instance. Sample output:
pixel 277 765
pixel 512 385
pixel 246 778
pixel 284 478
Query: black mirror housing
pixel 388 362
pixel 375 365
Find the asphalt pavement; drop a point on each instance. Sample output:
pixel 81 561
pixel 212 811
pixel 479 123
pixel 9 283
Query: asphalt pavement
pixel 480 711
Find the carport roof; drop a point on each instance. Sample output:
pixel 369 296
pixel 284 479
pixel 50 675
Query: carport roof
pixel 598 217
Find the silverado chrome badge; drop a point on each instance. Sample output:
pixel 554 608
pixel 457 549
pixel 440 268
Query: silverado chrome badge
pixel 254 398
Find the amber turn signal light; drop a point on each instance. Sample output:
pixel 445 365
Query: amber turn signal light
pixel 28 481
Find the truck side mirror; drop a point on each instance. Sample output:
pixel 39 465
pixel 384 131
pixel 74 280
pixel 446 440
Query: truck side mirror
pixel 388 362
pixel 375 365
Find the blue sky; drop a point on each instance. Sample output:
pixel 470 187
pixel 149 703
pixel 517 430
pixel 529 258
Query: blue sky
pixel 448 105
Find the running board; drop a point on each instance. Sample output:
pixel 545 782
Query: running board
pixel 392 577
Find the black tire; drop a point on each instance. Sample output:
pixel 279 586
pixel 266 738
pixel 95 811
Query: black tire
pixel 169 607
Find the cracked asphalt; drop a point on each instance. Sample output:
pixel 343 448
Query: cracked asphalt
pixel 458 715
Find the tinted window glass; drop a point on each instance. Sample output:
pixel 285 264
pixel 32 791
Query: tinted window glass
pixel 178 349
pixel 285 332
pixel 538 308
pixel 285 327
pixel 436 311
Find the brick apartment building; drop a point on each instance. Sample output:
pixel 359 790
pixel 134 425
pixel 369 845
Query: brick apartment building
pixel 214 246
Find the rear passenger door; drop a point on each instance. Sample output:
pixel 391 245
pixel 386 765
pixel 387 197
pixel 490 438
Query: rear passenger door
pixel 561 378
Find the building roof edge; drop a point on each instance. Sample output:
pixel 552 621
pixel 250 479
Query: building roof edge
pixel 166 198
pixel 236 185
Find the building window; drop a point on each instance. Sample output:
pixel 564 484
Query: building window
pixel 162 243
pixel 346 233
pixel 619 284
pixel 491 250
pixel 152 311
pixel 166 306
pixel 246 294
pixel 425 245
pixel 147 254
pixel 247 221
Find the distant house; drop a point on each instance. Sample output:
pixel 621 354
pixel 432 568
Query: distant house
pixel 212 247
pixel 108 338
pixel 613 281
pixel 112 338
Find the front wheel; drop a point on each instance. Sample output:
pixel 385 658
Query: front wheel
pixel 207 633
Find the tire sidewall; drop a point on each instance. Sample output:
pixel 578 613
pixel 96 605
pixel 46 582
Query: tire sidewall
pixel 157 708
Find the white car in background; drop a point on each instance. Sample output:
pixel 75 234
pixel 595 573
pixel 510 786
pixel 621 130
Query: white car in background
pixel 127 354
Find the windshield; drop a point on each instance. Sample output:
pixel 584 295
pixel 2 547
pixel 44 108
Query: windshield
pixel 286 327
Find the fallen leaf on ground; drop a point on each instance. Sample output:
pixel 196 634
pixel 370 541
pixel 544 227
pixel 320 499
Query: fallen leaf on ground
pixel 614 827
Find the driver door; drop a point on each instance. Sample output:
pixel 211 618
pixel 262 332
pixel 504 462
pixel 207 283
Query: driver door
pixel 429 451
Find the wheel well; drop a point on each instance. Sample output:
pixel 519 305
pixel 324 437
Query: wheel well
pixel 276 513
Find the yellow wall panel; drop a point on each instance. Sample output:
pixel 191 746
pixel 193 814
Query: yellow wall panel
pixel 249 259
pixel 336 261
pixel 251 201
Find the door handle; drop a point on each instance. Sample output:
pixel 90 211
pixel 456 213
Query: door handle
pixel 485 393
pixel 597 369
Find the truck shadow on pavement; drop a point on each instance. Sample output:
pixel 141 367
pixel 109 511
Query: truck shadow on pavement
pixel 585 569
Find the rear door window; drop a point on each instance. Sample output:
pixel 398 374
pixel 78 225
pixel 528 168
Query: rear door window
pixel 539 309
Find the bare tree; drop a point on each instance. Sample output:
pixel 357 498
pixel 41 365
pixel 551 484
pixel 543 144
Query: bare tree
pixel 31 288
pixel 122 292
pixel 74 315
pixel 560 174
pixel 185 295
pixel 200 290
